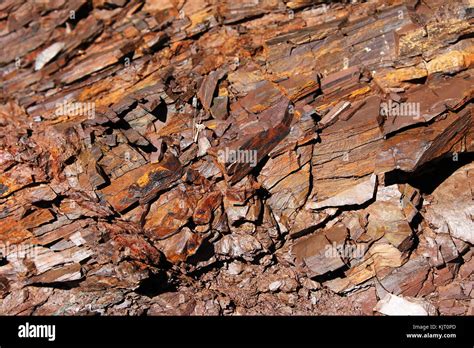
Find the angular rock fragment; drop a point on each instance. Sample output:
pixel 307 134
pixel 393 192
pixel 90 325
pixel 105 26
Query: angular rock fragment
pixel 419 146
pixel 357 195
pixel 452 208
pixel 409 279
pixel 49 53
pixel 208 86
pixel 180 246
pixel 380 260
pixel 290 193
pixel 387 219
pixel 239 157
pixel 332 115
pixel 319 254
pixel 396 305
pixel 348 148
pixel 142 184
pixel 239 245
pixel 171 211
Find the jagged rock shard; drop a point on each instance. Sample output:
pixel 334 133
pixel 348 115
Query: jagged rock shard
pixel 278 118
pixel 142 184
pixel 387 219
pixel 208 86
pixel 171 211
pixel 410 149
pixel 318 253
pixel 409 279
pixel 290 193
pixel 180 246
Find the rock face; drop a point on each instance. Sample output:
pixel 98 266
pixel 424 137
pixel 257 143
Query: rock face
pixel 217 158
pixel 317 254
pixel 451 209
pixel 356 195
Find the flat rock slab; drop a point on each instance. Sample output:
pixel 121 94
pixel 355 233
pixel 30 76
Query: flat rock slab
pixel 357 195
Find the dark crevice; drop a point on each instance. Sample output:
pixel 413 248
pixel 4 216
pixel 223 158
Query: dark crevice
pixel 432 174
pixel 150 148
pixel 339 273
pixel 3 261
pixel 205 253
pixel 81 13
pixel 66 285
pixel 419 81
pixel 155 285
pixel 106 178
pixel 130 207
pixel 161 112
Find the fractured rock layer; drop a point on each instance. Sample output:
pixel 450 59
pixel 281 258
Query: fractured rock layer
pixel 211 157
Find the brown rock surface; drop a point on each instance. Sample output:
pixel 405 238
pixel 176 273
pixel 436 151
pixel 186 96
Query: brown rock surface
pixel 204 157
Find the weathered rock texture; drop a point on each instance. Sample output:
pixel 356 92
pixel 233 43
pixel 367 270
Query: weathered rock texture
pixel 236 157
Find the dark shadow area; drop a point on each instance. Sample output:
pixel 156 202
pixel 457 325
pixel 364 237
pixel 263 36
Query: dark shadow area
pixel 3 261
pixel 161 112
pixel 155 284
pixel 339 273
pixel 81 13
pixel 432 174
pixel 66 285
